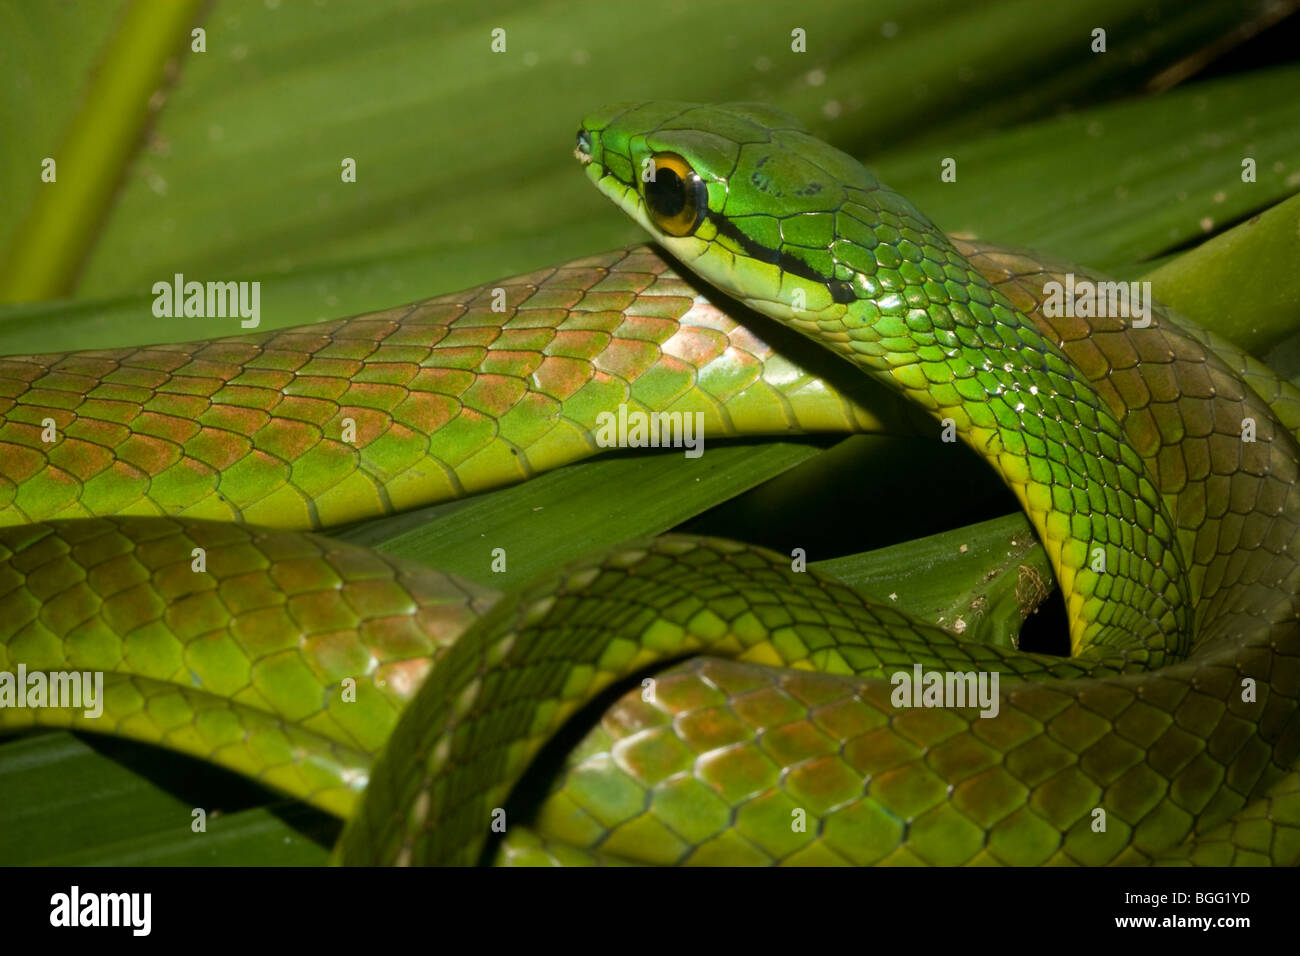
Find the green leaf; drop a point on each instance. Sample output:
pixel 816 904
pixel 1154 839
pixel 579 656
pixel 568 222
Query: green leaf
pixel 982 581
pixel 117 804
pixel 63 222
pixel 1114 186
pixel 48 51
pixel 558 517
pixel 1246 278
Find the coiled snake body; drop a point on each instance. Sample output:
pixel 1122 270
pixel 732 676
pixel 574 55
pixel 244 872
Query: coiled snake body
pixel 1171 733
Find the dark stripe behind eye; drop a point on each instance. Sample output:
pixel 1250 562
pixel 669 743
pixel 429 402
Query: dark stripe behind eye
pixel 841 292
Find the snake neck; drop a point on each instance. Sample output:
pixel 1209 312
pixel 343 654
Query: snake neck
pixel 927 323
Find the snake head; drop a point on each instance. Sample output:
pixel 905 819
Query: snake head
pixel 746 198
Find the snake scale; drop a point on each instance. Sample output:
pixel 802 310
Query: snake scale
pixel 1170 734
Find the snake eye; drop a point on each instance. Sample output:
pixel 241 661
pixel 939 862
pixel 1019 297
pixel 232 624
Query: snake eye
pixel 675 196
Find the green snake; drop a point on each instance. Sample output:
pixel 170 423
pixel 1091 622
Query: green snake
pixel 155 502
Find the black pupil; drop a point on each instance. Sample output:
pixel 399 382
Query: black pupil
pixel 666 194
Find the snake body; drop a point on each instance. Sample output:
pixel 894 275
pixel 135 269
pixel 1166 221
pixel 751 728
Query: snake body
pixel 1171 734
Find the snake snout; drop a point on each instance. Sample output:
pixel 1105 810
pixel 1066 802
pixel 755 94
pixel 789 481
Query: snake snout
pixel 583 148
